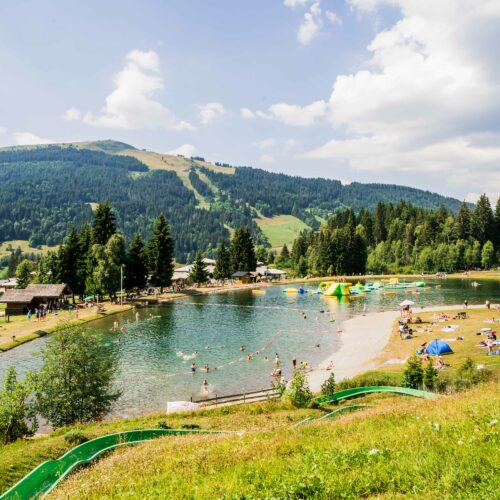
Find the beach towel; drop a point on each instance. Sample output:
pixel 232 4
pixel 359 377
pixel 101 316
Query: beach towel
pixel 395 361
pixel 450 328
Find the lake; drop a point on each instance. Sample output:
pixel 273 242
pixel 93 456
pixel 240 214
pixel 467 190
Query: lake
pixel 152 370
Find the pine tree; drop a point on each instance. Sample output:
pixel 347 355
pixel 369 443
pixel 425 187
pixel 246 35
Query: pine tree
pixel 223 263
pixel 75 382
pixel 84 242
pixel 242 251
pixel 198 273
pixel 285 253
pixel 69 262
pixel 136 271
pixel 414 373
pixel 463 222
pixel 23 273
pixel 482 220
pixel 497 225
pixel 429 376
pixel 103 224
pixel 379 231
pixel 161 254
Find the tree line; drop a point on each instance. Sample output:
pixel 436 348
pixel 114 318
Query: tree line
pixel 93 260
pixel 400 238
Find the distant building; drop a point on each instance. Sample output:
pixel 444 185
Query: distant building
pixel 19 301
pixel 7 284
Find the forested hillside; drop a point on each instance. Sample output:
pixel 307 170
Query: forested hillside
pixel 44 190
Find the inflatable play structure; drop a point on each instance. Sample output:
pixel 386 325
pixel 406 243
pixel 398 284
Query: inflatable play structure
pixel 338 290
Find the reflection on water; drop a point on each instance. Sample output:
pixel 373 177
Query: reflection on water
pixel 150 371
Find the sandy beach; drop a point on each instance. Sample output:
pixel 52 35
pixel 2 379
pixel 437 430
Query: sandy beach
pixel 364 339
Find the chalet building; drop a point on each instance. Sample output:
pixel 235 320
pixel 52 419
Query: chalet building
pixel 19 301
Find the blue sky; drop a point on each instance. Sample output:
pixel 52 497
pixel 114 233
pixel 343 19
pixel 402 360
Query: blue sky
pixel 399 91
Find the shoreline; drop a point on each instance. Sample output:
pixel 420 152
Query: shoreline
pixel 364 340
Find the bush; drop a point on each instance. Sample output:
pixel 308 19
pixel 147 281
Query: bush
pixel 414 374
pixel 190 426
pixel 75 437
pixel 468 375
pixel 328 386
pixel 430 376
pixel 299 394
pixel 162 424
pixel 369 379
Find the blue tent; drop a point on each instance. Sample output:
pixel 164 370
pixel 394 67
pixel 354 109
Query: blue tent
pixel 436 347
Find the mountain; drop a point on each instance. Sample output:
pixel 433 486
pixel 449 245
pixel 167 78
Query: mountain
pixel 44 190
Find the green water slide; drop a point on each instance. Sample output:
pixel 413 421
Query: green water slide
pixel 47 475
pixel 361 391
pixel 333 414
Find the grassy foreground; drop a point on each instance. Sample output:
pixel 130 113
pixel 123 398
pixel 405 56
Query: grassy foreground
pixel 441 448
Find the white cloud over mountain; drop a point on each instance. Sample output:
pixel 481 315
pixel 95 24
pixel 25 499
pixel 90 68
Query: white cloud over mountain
pixel 134 102
pixel 184 150
pixel 210 112
pixel 28 138
pixel 424 101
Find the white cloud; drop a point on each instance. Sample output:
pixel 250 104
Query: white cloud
pixel 301 116
pixel 311 24
pixel 267 158
pixel 266 143
pixel 210 111
pixel 295 3
pixel 28 138
pixel 247 113
pixel 71 114
pixel 184 150
pixel 332 17
pixel 134 103
pixel 183 125
pixel 264 116
pixel 428 98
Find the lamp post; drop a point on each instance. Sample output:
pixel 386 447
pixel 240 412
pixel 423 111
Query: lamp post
pixel 121 285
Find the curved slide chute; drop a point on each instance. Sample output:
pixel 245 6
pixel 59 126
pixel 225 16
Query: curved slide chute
pixel 333 414
pixel 361 391
pixel 47 475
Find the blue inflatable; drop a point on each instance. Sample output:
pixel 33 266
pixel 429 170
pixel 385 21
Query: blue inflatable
pixel 436 347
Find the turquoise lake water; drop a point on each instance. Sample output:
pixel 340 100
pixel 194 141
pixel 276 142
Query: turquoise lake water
pixel 151 371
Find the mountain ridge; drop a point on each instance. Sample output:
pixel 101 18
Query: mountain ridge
pixel 51 187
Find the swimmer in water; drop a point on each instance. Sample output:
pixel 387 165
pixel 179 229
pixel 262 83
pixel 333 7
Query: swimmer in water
pixel 150 316
pixel 122 329
pixel 115 326
pixel 207 368
pixel 137 316
pixel 242 348
pixel 205 386
pixel 265 359
pixel 193 368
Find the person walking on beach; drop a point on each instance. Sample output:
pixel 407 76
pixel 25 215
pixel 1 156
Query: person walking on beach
pixel 466 303
pixel 277 361
pixel 488 304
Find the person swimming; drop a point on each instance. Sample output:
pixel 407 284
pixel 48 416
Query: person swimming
pixel 204 386
pixel 193 368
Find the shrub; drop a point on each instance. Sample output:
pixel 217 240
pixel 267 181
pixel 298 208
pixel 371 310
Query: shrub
pixel 370 379
pixel 430 376
pixel 299 394
pixel 468 375
pixel 75 437
pixel 328 386
pixel 190 426
pixel 162 424
pixel 414 373
pixel 17 412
